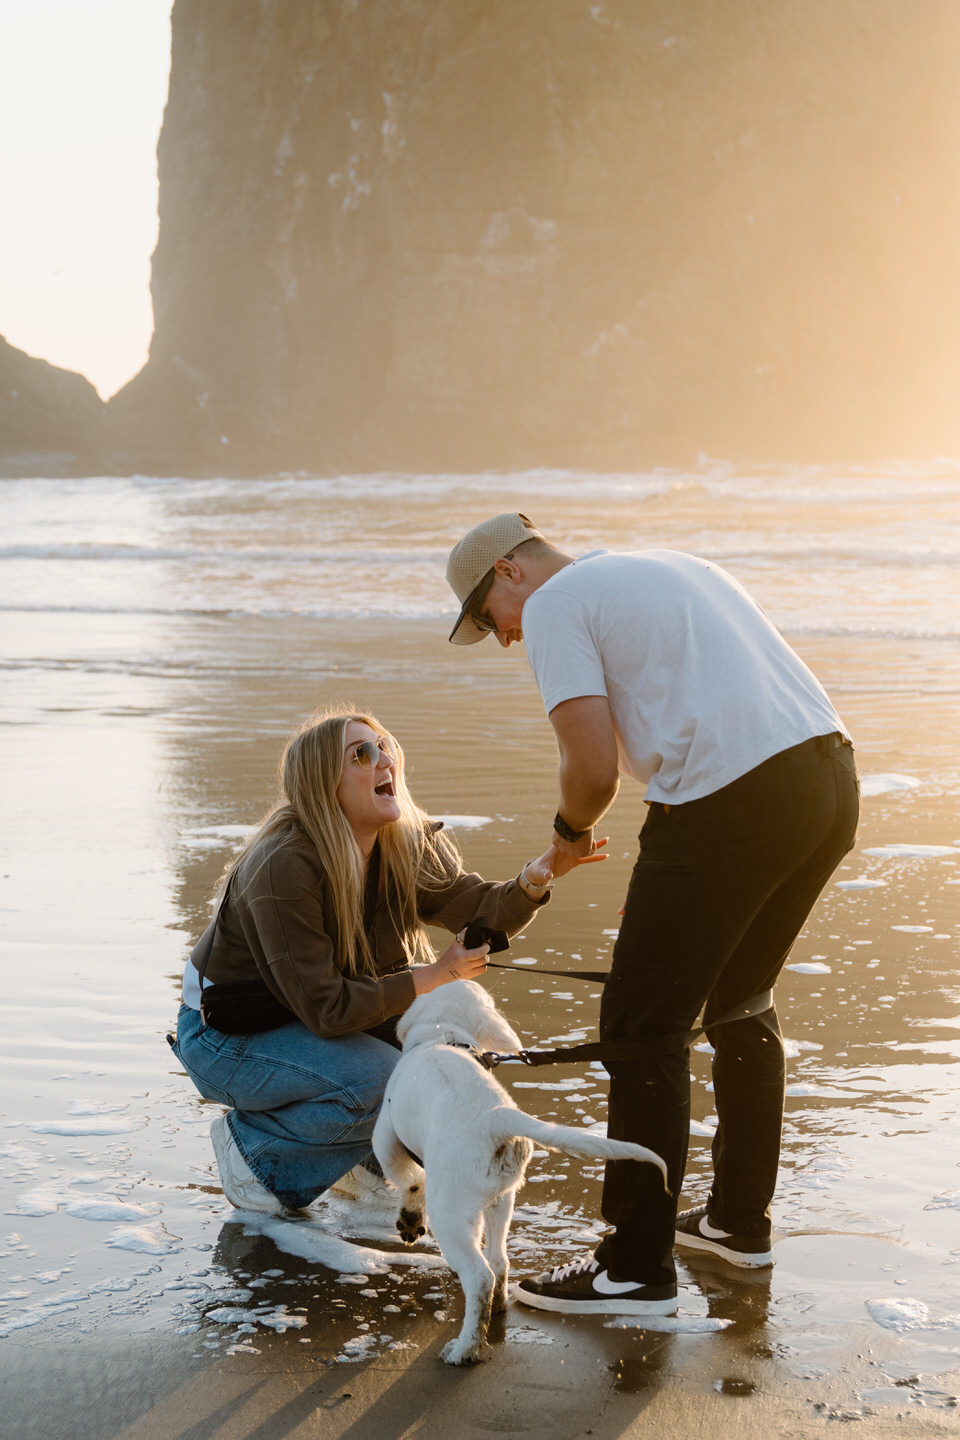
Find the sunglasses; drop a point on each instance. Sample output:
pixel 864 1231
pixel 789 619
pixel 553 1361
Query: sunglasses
pixel 483 622
pixel 367 753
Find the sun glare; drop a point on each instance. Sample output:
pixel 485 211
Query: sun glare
pixel 82 91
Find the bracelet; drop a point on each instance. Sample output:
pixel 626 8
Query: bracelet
pixel 535 892
pixel 567 832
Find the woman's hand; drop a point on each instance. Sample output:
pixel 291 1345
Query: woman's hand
pixel 556 862
pixel 455 963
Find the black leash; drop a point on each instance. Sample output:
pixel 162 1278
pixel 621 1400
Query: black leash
pixel 600 976
pixel 614 1050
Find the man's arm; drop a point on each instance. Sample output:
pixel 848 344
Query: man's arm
pixel 589 777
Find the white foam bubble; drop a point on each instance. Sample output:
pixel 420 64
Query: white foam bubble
pixel 527 1335
pixel 216 837
pixel 362 1347
pixel 793 1048
pixel 810 967
pixel 914 929
pixel 274 1317
pixel 144 1240
pixel 671 1324
pixel 888 783
pixel 107 1207
pixel 280 1320
pixel 897 1314
pixel 949 1200
pixel 37 1202
pixel 228 1315
pixel 89 1126
pixel 902 1315
pixel 95 1107
pixel 862 882
pixel 35 1315
pixel 114 1286
pixel 911 852
pixel 465 822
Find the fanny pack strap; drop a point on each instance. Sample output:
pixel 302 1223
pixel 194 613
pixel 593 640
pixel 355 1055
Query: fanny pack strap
pixel 200 954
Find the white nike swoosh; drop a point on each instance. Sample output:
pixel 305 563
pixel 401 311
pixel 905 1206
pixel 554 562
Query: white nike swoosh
pixel 710 1232
pixel 605 1286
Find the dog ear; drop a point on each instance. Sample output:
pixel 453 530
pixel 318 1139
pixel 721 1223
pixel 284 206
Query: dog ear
pixel 497 1034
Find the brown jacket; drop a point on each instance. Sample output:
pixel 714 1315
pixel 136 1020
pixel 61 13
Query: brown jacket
pixel 278 923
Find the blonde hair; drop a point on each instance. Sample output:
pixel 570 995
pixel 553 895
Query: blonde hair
pixel 414 852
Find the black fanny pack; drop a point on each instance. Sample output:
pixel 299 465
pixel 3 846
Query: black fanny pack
pixel 238 1007
pixel 242 1007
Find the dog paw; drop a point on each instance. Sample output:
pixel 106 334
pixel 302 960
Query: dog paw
pixel 410 1226
pixel 465 1352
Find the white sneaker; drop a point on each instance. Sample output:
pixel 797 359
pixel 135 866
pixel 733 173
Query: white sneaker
pixel 361 1184
pixel 237 1180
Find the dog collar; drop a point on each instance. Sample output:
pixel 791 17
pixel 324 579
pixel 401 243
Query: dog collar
pixel 487 1058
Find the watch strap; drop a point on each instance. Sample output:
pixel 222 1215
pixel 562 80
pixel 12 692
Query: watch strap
pixel 567 832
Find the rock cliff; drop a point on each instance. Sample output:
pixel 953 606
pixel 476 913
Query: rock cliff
pixel 495 233
pixel 49 418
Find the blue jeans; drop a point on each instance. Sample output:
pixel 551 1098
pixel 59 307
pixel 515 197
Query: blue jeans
pixel 303 1108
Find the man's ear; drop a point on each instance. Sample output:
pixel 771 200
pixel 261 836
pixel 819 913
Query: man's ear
pixel 507 569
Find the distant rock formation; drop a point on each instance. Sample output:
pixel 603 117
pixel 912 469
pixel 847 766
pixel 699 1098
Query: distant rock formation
pixel 504 233
pixel 49 418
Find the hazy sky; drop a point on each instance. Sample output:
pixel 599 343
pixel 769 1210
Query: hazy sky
pixel 83 84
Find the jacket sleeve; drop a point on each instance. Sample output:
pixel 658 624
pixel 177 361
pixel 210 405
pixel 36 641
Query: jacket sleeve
pixel 282 916
pixel 461 897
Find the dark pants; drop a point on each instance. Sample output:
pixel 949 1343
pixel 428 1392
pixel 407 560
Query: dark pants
pixel 719 893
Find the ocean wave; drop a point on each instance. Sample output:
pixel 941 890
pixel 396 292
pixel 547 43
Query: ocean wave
pixel 905 484
pixel 226 555
pixel 375 545
pixel 382 609
pixel 941 550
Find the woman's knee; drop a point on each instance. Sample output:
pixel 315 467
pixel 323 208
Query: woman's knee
pixel 365 1091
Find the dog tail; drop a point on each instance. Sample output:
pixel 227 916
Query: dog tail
pixel 507 1122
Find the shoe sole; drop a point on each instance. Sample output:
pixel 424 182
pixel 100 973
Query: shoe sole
pixel 755 1260
pixel 385 1199
pixel 609 1306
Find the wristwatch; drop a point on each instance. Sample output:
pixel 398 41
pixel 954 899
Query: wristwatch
pixel 567 832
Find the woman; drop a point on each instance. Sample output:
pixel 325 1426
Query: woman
pixel 324 910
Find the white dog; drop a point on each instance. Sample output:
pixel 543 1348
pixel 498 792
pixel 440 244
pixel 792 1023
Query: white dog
pixel 440 1104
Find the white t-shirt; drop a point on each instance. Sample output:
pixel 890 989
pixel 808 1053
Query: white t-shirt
pixel 701 686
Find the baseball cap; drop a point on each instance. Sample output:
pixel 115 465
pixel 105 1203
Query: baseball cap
pixel 472 559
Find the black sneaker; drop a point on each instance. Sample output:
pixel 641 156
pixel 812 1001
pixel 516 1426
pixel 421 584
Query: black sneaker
pixel 694 1229
pixel 582 1288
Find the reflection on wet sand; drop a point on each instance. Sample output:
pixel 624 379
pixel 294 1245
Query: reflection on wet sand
pixel 867 1206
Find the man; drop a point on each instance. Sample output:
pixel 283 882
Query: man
pixel 660 666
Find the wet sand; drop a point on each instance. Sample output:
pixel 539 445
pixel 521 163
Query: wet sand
pixel 134 1301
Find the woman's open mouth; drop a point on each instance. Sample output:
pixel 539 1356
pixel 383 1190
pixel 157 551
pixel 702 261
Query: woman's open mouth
pixel 385 787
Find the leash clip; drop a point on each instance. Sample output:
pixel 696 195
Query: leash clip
pixel 490 1059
